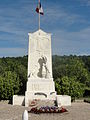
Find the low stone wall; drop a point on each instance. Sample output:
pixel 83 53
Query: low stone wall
pixel 18 100
pixel 63 100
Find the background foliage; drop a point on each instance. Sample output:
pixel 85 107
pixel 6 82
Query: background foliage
pixel 71 75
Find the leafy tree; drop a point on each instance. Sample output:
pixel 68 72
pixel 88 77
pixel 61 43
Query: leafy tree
pixel 69 86
pixel 9 85
pixel 1 88
pixel 71 74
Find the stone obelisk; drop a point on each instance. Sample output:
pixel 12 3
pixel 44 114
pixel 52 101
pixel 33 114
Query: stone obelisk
pixel 40 83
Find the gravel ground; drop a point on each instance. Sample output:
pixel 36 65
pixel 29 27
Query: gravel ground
pixel 78 111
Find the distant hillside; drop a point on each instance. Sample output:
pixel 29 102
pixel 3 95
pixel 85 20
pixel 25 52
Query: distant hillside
pixel 71 75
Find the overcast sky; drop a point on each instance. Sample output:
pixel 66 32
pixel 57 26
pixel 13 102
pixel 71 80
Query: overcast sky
pixel 67 20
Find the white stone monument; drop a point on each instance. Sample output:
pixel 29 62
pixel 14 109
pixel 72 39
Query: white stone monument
pixel 40 83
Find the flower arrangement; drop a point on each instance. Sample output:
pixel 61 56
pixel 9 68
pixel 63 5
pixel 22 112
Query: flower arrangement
pixel 47 109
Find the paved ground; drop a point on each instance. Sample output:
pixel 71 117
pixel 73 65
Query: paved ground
pixel 78 111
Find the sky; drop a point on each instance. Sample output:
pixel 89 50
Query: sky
pixel 67 20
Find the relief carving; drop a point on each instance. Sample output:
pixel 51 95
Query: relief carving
pixel 43 70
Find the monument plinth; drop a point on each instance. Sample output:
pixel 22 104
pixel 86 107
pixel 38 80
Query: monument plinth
pixel 40 83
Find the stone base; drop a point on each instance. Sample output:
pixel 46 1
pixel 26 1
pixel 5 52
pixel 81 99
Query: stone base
pixel 30 96
pixel 18 100
pixel 63 100
pixel 40 84
pixel 40 89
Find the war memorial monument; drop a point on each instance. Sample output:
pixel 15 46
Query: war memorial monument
pixel 40 84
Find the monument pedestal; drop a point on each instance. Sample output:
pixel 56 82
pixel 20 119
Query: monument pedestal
pixel 40 89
